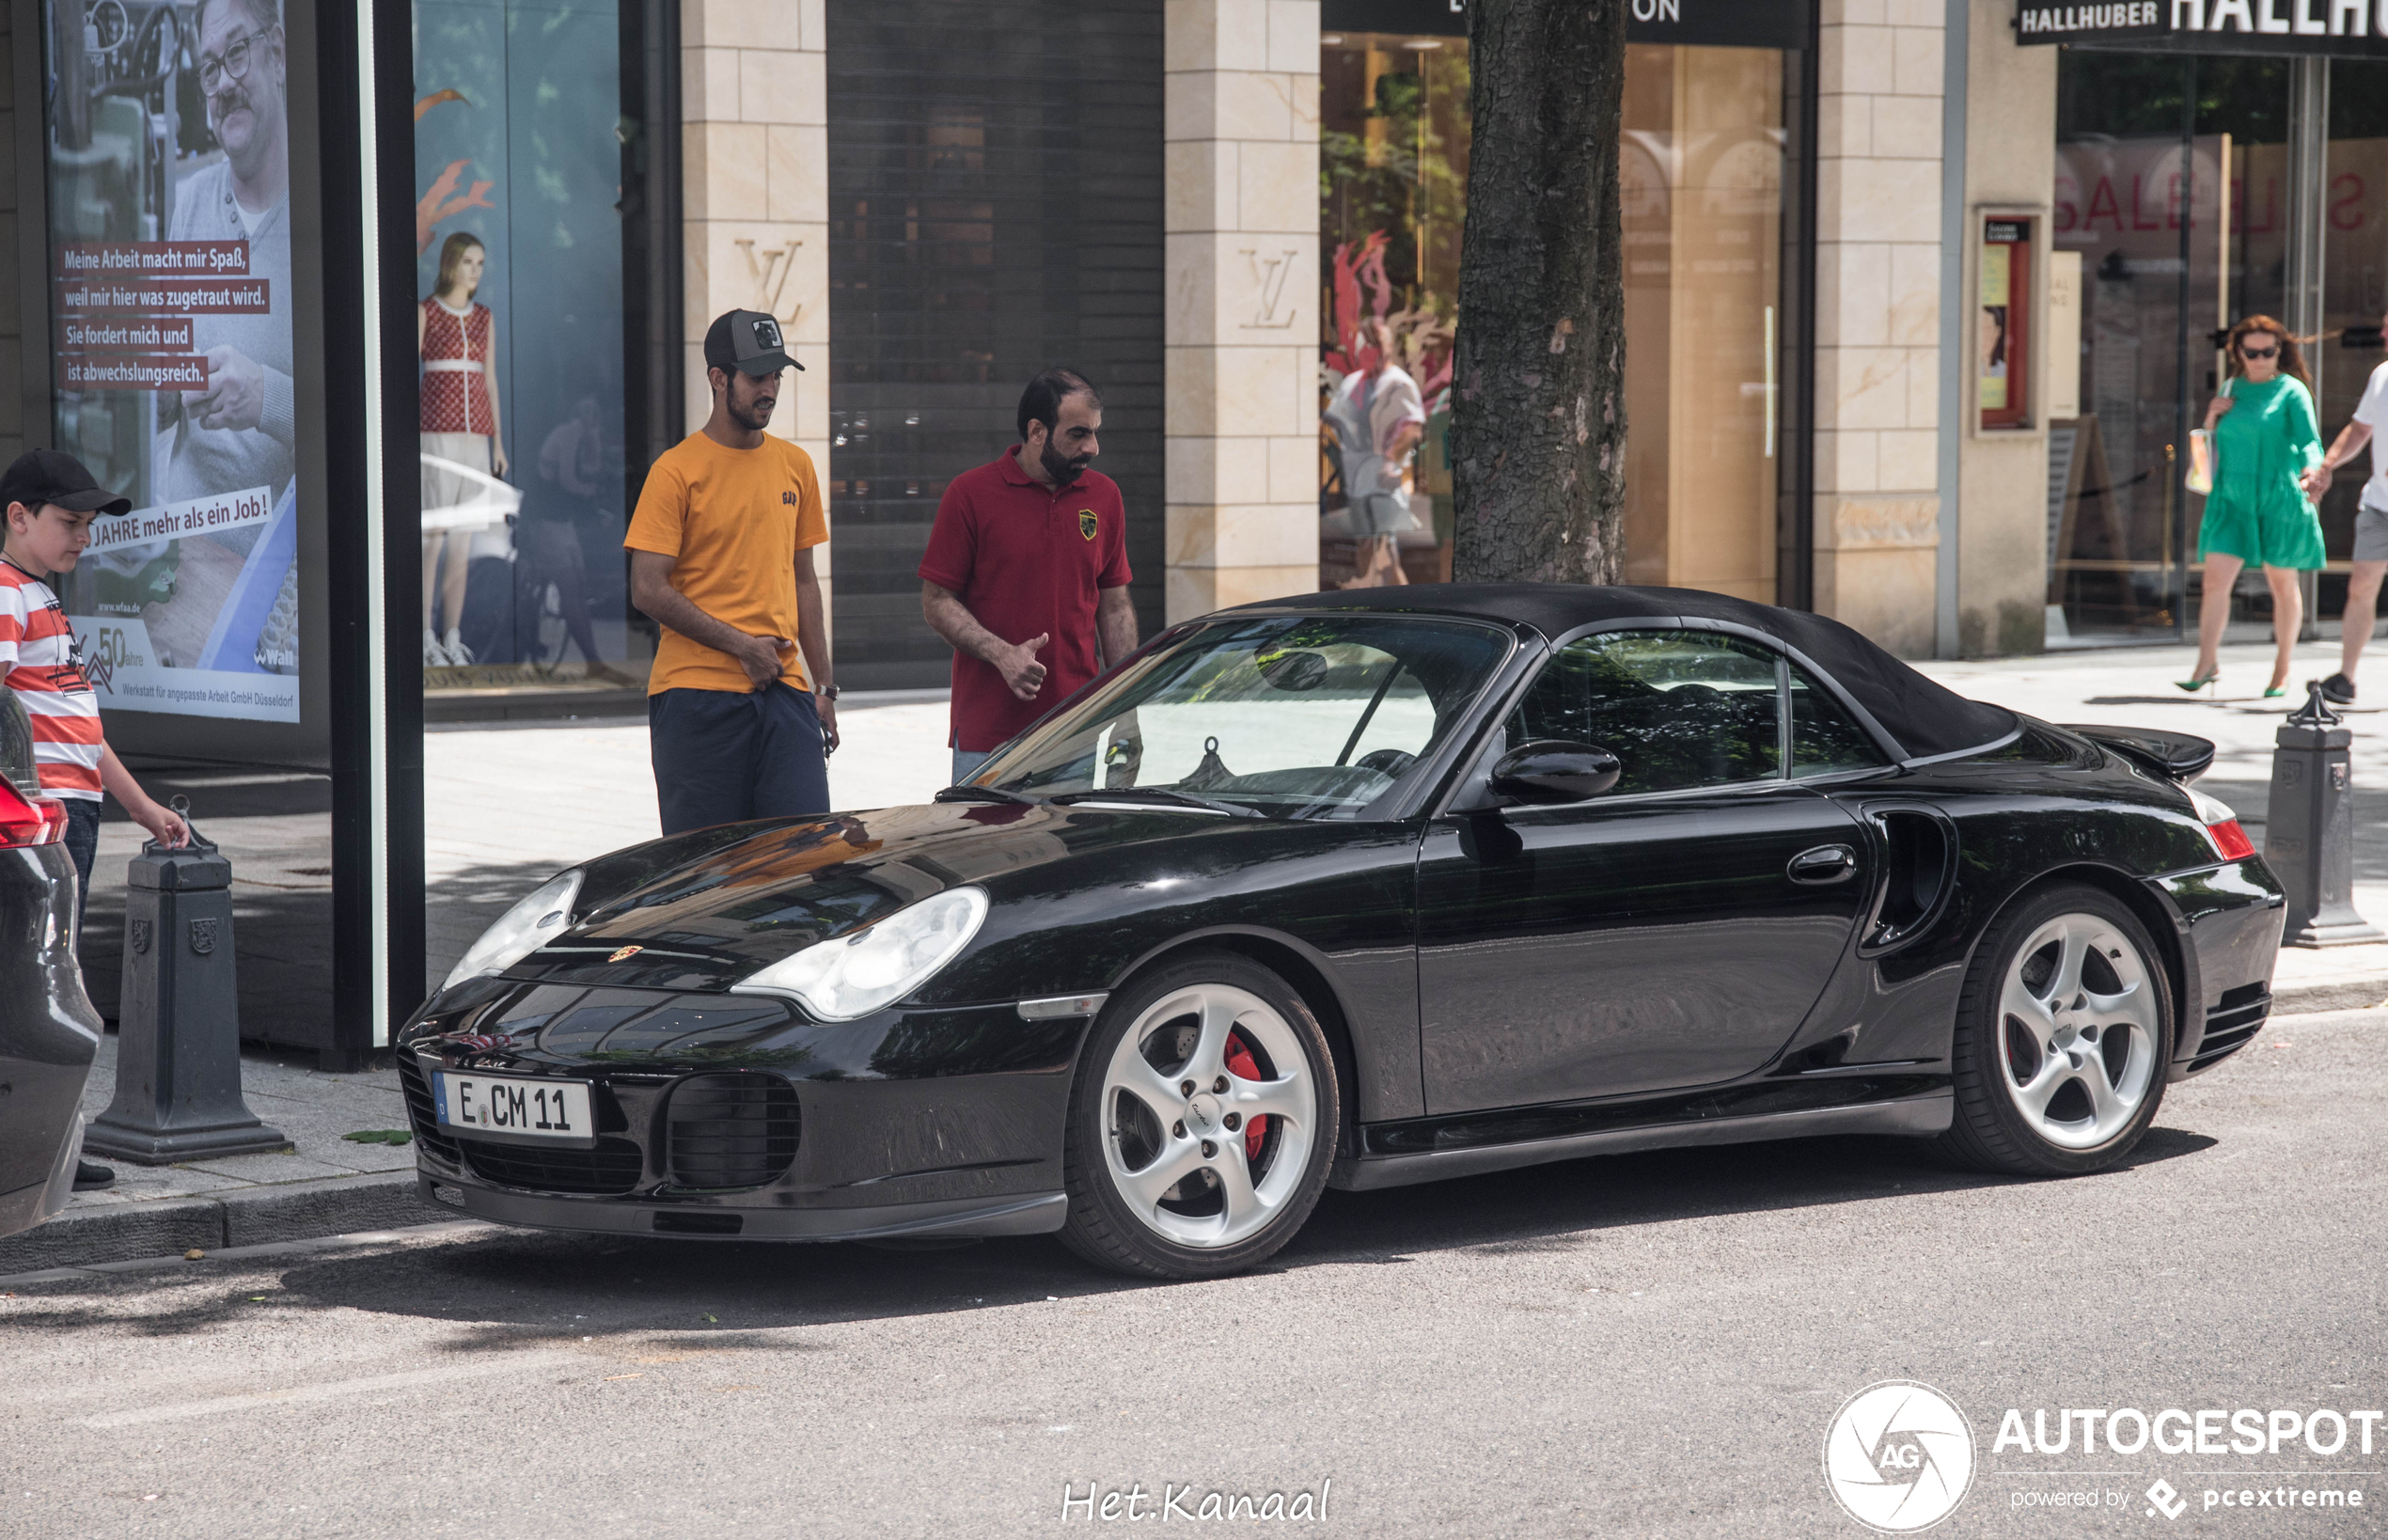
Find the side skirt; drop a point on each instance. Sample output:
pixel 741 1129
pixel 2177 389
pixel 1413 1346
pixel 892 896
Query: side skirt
pixel 1928 1113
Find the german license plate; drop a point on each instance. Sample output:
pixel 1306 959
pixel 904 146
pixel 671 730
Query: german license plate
pixel 542 1108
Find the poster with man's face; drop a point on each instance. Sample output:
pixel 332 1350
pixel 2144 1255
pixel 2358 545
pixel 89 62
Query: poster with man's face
pixel 170 284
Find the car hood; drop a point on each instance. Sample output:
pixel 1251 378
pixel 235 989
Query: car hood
pixel 705 910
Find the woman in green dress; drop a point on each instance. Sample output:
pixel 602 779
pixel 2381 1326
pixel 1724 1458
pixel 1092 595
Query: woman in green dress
pixel 2264 440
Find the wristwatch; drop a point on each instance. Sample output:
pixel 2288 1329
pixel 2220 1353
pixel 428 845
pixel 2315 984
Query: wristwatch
pixel 827 692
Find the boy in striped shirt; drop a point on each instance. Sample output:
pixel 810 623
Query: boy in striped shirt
pixel 50 501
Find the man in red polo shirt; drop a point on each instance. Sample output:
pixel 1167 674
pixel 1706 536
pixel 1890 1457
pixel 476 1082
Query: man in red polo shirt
pixel 1026 574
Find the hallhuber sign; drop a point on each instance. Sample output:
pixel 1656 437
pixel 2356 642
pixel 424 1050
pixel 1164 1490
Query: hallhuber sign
pixel 2217 26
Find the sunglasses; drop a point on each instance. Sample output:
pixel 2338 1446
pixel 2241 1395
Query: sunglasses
pixel 2246 352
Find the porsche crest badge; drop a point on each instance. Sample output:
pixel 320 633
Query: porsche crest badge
pixel 625 952
pixel 1086 522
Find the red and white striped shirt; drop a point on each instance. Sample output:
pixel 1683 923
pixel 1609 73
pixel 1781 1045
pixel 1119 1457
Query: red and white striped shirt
pixel 38 654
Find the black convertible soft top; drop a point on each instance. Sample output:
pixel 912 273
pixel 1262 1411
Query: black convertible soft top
pixel 1928 719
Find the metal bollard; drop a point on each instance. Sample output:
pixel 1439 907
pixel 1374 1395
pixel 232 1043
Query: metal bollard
pixel 2309 831
pixel 178 1068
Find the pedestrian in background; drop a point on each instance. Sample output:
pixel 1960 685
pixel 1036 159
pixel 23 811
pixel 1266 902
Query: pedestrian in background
pixel 1025 576
pixel 50 501
pixel 721 559
pixel 2258 513
pixel 2364 425
pixel 1377 417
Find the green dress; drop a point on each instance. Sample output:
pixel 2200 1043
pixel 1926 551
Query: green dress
pixel 2256 511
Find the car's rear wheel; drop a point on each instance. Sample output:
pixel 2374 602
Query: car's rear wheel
pixel 1203 1122
pixel 2064 1032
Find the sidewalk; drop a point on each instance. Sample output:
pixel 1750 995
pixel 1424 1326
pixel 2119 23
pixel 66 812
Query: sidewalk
pixel 322 1185
pixel 511 804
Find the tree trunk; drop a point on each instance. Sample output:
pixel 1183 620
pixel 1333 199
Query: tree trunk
pixel 1538 412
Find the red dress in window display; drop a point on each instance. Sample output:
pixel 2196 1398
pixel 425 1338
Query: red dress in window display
pixel 460 501
pixel 455 384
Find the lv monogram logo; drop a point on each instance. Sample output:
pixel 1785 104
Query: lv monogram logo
pixel 768 270
pixel 1269 285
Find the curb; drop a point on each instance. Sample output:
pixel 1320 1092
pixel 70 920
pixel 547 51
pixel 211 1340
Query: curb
pixel 2338 995
pixel 213 1221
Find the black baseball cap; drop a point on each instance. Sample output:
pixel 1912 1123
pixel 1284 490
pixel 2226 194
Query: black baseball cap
pixel 53 476
pixel 748 340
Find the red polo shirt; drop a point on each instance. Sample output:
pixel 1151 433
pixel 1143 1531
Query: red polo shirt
pixel 1025 558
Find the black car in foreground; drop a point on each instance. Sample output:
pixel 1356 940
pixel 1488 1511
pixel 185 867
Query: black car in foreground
pixel 1364 889
pixel 48 1031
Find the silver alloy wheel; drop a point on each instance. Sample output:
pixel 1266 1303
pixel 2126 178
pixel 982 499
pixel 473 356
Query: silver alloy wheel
pixel 1174 1141
pixel 2078 1031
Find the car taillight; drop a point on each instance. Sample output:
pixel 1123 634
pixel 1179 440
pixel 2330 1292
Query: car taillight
pixel 40 821
pixel 2231 839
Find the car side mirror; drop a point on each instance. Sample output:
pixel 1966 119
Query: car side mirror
pixel 1552 771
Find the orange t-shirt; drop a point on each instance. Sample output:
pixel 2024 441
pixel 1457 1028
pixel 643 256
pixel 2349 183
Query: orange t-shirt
pixel 734 520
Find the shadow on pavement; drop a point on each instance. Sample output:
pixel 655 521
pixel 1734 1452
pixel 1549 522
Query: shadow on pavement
pixel 513 1288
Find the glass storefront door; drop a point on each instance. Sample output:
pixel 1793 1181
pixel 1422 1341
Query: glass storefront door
pixel 1706 160
pixel 2143 141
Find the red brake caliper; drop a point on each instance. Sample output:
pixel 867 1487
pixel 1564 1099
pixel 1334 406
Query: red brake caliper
pixel 1240 1064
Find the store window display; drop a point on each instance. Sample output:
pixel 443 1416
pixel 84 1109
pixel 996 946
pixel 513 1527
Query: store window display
pixel 1703 162
pixel 464 450
pixel 519 142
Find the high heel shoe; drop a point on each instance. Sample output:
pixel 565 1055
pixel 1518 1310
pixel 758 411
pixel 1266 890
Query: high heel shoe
pixel 2204 681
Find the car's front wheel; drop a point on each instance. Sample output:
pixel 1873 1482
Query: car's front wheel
pixel 1203 1122
pixel 2062 1035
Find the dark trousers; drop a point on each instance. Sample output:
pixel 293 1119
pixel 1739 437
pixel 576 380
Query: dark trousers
pixel 726 755
pixel 83 848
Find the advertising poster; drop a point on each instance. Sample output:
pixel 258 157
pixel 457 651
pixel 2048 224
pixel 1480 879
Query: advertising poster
pixel 168 157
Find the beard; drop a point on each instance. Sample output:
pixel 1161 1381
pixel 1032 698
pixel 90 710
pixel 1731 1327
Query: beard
pixel 1063 469
pixel 755 414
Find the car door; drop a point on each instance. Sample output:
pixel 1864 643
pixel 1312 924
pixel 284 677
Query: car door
pixel 1672 932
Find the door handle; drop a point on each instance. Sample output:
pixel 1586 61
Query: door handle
pixel 1824 865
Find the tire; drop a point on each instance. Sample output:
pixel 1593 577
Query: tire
pixel 2063 1038
pixel 1218 1197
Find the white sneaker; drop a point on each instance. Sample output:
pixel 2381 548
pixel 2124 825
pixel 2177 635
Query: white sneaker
pixel 459 655
pixel 435 655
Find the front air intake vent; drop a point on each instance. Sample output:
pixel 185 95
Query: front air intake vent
pixel 419 1111
pixel 725 1131
pixel 609 1169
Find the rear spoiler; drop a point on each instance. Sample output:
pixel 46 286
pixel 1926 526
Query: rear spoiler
pixel 2176 755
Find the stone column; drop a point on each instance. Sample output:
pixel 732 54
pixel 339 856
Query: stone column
pixel 1241 108
pixel 2002 522
pixel 1878 318
pixel 754 196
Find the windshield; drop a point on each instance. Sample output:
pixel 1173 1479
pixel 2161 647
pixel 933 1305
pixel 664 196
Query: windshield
pixel 1285 716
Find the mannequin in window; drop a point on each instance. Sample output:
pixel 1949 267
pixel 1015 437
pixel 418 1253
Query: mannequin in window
pixel 459 343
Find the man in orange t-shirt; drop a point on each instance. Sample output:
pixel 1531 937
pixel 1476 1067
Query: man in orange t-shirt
pixel 721 558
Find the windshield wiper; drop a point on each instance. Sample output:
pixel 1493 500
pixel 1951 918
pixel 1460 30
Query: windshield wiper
pixel 983 794
pixel 1156 794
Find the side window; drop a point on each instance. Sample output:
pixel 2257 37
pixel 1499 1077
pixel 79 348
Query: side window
pixel 1678 708
pixel 1824 740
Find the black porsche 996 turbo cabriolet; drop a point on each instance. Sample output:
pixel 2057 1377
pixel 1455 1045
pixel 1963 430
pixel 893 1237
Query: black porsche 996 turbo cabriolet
pixel 1364 889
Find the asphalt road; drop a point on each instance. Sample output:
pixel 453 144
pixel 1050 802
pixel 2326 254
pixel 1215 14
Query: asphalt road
pixel 1651 1344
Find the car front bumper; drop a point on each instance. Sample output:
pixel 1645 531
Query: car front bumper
pixel 733 1117
pixel 1034 1214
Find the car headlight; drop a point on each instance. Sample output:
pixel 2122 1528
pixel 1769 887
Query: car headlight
pixel 521 930
pixel 852 976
